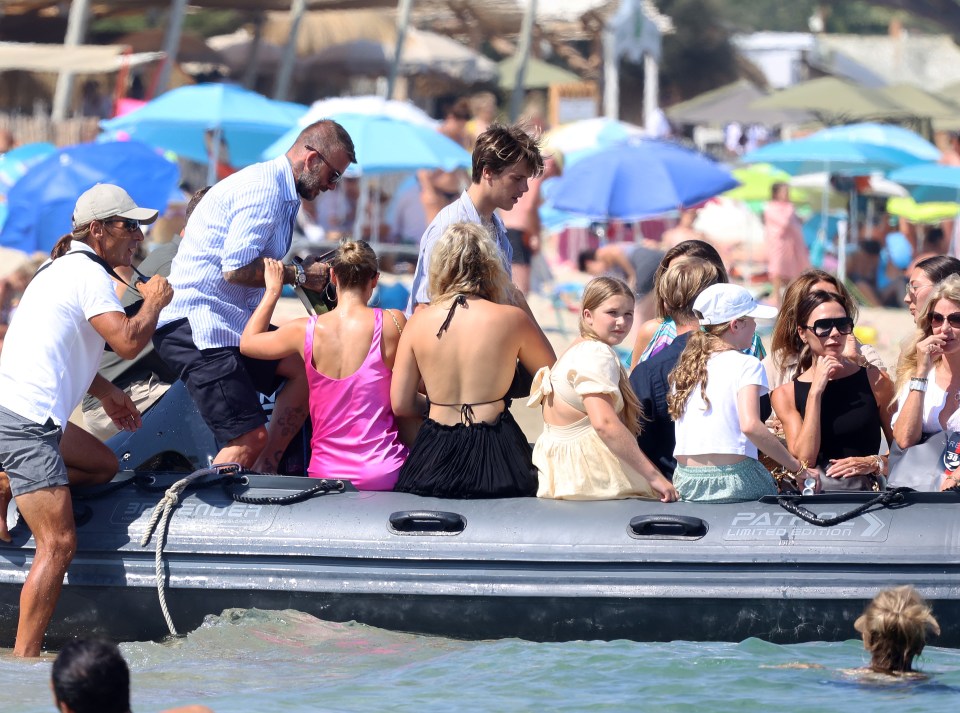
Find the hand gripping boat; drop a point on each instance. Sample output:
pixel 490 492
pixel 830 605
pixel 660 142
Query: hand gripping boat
pixel 521 567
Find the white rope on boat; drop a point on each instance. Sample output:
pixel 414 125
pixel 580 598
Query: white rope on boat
pixel 164 509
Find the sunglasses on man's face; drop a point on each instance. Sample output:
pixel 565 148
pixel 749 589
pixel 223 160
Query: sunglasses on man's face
pixel 335 175
pixel 824 327
pixel 937 319
pixel 129 225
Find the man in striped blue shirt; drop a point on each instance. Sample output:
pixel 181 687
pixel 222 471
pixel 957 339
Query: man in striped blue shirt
pixel 218 281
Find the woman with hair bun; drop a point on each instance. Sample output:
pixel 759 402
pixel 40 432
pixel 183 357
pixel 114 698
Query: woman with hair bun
pixel 924 277
pixel 348 354
pixel 465 346
pixel 588 448
pixel 894 627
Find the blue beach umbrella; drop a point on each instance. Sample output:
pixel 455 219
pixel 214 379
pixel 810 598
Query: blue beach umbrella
pixel 385 144
pixel 813 155
pixel 14 164
pixel 41 203
pixel 895 137
pixel 638 179
pixel 177 120
pixel 930 182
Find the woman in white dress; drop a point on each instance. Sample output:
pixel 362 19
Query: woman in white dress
pixel 588 449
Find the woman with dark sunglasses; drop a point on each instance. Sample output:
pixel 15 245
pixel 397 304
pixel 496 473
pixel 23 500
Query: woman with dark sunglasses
pixel 928 377
pixel 834 411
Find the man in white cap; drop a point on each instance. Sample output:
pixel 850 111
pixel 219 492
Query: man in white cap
pixel 49 360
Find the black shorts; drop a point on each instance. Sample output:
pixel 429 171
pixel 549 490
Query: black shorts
pixel 223 383
pixel 521 251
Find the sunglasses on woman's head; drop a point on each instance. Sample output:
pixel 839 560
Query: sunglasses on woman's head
pixel 823 327
pixel 937 319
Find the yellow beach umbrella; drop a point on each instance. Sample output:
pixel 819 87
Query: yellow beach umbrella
pixel 922 212
pixel 756 184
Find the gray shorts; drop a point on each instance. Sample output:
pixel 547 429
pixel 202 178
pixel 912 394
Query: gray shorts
pixel 30 453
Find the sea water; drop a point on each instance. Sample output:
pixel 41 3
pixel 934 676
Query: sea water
pixel 251 660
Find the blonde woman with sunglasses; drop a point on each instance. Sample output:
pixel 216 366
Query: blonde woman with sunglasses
pixel 834 411
pixel 928 377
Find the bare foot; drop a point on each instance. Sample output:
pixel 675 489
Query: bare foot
pixel 5 496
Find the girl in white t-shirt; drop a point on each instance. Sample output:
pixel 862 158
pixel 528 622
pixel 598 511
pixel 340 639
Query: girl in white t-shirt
pixel 715 401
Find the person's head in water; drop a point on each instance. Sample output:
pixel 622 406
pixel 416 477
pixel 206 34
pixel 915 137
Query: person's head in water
pixel 894 627
pixel 90 676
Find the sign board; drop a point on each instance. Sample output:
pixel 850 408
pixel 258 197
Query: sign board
pixel 572 102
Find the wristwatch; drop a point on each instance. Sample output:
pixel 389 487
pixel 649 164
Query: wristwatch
pixel 917 384
pixel 300 276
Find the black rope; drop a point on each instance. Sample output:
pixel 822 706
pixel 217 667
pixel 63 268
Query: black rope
pixel 884 499
pixel 324 487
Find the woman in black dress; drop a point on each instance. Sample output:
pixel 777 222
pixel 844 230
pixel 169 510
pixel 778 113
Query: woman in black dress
pixel 834 411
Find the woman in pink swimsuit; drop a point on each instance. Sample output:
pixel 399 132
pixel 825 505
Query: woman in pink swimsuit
pixel 348 354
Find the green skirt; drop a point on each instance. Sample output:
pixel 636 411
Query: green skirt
pixel 736 483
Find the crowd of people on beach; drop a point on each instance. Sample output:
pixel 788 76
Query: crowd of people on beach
pixel 419 401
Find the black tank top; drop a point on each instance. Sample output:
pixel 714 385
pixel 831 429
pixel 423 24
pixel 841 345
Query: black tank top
pixel 849 417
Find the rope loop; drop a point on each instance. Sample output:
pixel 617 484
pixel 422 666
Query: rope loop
pixel 888 498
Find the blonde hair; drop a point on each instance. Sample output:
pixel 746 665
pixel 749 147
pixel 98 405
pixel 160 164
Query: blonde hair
pixel 354 264
pixel 691 369
pixel 949 289
pixel 680 284
pixel 598 291
pixel 894 627
pixel 466 261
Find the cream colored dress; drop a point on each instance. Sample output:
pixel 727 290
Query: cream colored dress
pixel 572 462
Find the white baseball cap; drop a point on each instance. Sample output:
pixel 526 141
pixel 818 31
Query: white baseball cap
pixel 722 303
pixel 105 200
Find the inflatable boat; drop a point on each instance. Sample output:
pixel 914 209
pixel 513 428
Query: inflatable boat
pixel 535 569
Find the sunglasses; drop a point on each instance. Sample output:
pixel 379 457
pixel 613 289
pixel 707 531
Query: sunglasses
pixel 937 319
pixel 913 288
pixel 824 327
pixel 128 224
pixel 335 175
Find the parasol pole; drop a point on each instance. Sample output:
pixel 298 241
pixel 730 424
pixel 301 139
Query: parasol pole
pixel 523 51
pixel 403 21
pixel 213 159
pixel 77 22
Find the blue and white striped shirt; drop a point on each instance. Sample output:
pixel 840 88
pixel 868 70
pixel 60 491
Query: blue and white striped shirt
pixel 243 217
pixel 461 210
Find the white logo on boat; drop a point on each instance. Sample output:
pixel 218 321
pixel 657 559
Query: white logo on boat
pixel 787 528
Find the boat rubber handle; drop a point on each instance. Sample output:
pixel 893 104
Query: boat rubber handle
pixel 413 521
pixel 665 525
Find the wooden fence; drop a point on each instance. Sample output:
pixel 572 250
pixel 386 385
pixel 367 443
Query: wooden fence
pixel 30 129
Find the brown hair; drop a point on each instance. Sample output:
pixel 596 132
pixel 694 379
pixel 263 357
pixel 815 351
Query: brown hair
pixel 598 291
pixel 691 369
pixel 801 317
pixel 686 248
pixel 327 135
pixel 501 146
pixel 894 627
pixel 354 264
pixel 466 261
pixel 80 232
pixel 785 343
pixel 680 284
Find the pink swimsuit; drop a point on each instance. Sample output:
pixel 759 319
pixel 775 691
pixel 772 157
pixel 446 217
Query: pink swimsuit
pixel 354 429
